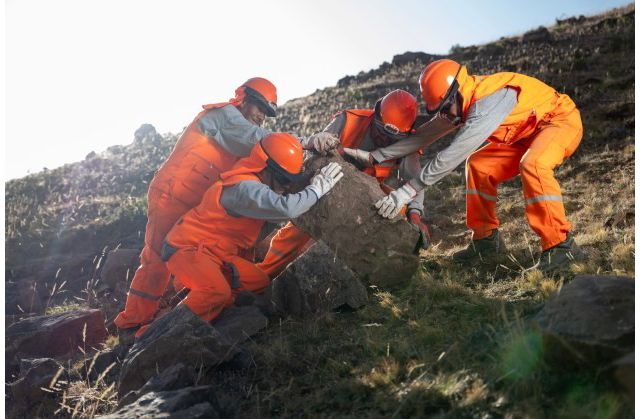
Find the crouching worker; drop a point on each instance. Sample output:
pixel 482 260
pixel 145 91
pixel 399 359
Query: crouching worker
pixel 204 248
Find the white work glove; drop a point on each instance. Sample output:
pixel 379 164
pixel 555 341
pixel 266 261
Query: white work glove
pixel 322 142
pixel 390 205
pixel 363 158
pixel 327 178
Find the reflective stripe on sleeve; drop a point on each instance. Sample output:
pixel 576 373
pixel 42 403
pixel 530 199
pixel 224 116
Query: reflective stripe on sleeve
pixel 144 295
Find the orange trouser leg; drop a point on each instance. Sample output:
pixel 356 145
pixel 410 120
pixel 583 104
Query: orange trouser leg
pixel 554 142
pixel 249 275
pixel 210 291
pixel 485 170
pixel 152 277
pixel 286 245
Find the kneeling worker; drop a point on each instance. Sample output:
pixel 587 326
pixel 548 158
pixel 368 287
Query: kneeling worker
pixel 203 250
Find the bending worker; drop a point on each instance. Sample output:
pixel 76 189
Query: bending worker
pixel 531 129
pixel 359 130
pixel 210 145
pixel 203 250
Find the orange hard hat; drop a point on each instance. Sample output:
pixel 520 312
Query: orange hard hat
pixel 284 156
pixel 264 92
pixel 398 110
pixel 439 82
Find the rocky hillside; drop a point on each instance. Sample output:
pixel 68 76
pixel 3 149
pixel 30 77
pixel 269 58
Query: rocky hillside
pixel 60 223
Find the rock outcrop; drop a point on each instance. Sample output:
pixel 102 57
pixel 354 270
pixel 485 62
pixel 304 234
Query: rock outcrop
pixel 179 336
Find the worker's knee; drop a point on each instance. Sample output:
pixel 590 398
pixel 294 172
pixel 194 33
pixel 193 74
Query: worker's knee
pixel 534 165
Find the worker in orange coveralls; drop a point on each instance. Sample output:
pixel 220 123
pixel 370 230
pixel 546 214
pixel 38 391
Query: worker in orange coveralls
pixel 391 120
pixel 218 136
pixel 531 129
pixel 204 249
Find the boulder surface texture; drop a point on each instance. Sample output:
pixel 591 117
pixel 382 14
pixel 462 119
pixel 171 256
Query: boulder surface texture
pixel 316 282
pixel 379 250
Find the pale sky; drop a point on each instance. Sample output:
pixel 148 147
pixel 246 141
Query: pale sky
pixel 83 75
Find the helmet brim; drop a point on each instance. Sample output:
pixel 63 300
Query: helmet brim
pixel 282 175
pixel 268 107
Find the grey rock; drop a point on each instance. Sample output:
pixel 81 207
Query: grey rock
pixel 27 396
pixel 316 282
pixel 144 131
pixel 119 267
pixel 179 336
pixel 237 324
pixel 189 402
pixel 590 321
pixel 379 250
pixel 55 335
pixel 175 377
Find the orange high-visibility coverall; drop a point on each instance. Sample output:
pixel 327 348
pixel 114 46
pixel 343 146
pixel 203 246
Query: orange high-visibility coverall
pixel 209 241
pixel 541 131
pixel 289 242
pixel 193 166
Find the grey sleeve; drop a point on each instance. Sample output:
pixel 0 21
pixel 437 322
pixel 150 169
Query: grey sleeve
pixel 425 134
pixel 409 169
pixel 253 199
pixel 336 125
pixel 484 117
pixel 231 130
pixel 398 150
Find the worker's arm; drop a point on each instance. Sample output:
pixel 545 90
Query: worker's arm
pixel 484 117
pixel 410 168
pixel 336 125
pixel 253 199
pixel 227 127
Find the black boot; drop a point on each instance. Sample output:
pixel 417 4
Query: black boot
pixel 560 256
pixel 487 250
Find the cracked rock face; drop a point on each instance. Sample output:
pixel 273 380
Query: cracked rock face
pixel 379 250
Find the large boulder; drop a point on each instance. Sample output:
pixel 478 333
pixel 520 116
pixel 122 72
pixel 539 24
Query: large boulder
pixel 379 250
pixel 316 282
pixel 55 335
pixel 179 336
pixel 189 402
pixel 590 321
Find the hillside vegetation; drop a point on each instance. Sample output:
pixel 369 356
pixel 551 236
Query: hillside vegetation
pixel 454 343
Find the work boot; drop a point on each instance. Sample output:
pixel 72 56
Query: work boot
pixel 560 256
pixel 487 250
pixel 127 336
